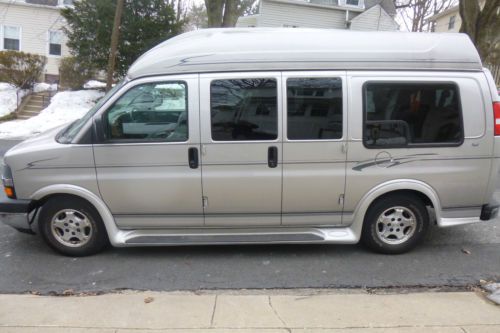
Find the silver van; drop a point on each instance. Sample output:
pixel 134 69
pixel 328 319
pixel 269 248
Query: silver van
pixel 232 136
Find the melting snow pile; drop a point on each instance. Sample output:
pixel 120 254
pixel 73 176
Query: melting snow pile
pixel 8 95
pixel 64 107
pixel 39 87
pixel 93 84
pixel 8 98
pixel 494 289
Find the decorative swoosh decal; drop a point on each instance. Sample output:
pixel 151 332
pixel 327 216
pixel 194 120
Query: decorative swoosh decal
pixel 31 165
pixel 393 161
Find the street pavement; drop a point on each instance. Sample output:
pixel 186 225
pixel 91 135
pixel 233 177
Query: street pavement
pixel 454 257
pixel 6 145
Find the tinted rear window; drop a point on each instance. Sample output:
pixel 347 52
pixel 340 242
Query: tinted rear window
pixel 412 114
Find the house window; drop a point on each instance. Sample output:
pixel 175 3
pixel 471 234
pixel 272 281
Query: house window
pixel 11 38
pixel 55 42
pixel 451 23
pixel 351 3
pixel 66 2
pixel 42 2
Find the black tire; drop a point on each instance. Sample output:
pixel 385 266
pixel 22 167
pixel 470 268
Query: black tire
pixel 95 232
pixel 372 227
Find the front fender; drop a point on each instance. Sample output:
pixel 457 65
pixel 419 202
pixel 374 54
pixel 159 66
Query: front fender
pixel 102 209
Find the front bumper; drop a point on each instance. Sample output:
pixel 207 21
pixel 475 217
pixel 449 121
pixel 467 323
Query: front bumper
pixel 16 213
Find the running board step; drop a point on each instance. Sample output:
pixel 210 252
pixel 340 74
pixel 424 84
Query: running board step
pixel 223 239
pixel 236 236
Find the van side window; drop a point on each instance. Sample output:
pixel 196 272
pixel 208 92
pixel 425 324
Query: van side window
pixel 412 114
pixel 149 112
pixel 314 108
pixel 244 109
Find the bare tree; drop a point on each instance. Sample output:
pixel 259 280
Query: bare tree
pixel 181 8
pixel 115 35
pixel 197 17
pixel 225 13
pixel 482 24
pixel 415 14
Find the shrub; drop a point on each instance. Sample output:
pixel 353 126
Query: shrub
pixel 20 68
pixel 74 74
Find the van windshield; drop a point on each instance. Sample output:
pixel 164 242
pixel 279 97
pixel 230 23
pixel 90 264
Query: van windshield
pixel 68 134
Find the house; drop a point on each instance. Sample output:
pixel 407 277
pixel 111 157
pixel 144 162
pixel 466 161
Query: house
pixel 447 21
pixel 35 26
pixel 326 14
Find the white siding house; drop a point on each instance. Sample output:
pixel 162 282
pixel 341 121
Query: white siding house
pixel 290 14
pixel 447 21
pixel 374 18
pixel 34 26
pixel 326 14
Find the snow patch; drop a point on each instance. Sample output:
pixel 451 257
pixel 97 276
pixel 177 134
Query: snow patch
pixel 8 98
pixel 65 107
pixel 6 86
pixel 9 95
pixel 40 87
pixel 494 289
pixel 93 84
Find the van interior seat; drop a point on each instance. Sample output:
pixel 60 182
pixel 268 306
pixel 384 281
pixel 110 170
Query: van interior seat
pixel 440 125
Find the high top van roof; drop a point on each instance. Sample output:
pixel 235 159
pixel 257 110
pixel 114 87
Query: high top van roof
pixel 255 49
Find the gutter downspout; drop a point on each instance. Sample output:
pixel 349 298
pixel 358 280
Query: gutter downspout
pixel 347 22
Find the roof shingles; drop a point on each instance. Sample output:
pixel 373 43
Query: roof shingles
pixel 388 5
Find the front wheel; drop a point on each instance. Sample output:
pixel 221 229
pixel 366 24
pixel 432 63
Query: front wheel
pixel 72 226
pixel 395 224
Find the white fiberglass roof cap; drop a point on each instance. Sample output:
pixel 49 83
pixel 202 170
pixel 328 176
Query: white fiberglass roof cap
pixel 243 49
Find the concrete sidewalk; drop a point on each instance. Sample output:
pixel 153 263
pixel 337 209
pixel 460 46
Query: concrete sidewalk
pixel 259 311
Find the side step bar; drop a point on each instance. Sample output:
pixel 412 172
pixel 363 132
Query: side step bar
pixel 211 236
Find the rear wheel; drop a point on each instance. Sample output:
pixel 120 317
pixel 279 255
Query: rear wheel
pixel 72 226
pixel 395 224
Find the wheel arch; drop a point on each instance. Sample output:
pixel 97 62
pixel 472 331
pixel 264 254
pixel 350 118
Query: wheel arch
pixel 416 187
pixel 48 192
